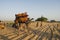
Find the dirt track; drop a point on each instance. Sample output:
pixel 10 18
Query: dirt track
pixel 35 33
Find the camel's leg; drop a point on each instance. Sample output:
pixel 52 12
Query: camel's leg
pixel 21 29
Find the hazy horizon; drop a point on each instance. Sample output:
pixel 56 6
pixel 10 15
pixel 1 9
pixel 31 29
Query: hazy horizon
pixel 34 8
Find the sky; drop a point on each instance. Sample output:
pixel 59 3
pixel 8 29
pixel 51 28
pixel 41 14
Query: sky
pixel 34 8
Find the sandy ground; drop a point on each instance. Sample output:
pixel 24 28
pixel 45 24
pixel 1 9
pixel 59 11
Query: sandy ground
pixel 35 33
